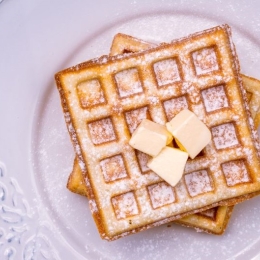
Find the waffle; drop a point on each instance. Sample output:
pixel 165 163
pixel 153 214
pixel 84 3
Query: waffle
pixel 213 220
pixel 204 77
pixel 123 43
pixel 252 87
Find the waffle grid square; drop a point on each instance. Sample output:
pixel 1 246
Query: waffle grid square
pixel 90 93
pixel 113 168
pixel 161 194
pixel 205 60
pixel 224 136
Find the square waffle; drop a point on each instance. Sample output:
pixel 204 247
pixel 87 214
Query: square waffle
pixel 199 72
pixel 213 220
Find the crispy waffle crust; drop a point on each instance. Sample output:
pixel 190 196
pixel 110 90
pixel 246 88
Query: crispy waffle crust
pixel 199 72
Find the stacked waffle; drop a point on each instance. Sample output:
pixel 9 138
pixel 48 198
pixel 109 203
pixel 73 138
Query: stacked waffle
pixel 105 99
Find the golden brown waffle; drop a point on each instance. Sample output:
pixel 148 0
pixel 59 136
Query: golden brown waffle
pixel 213 220
pixel 252 87
pixel 123 43
pixel 204 77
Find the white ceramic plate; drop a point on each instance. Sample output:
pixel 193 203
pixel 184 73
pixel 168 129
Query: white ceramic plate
pixel 39 217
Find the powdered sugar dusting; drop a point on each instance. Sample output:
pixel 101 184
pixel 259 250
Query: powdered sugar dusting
pixel 125 205
pixel 128 82
pixel 198 182
pixel 235 172
pixel 90 93
pixel 205 61
pixel 113 168
pixel 166 72
pixel 214 98
pixel 224 136
pixel 153 100
pixel 102 131
pixel 93 206
pixel 161 194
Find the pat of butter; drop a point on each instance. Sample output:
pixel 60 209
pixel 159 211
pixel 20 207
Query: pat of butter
pixel 150 137
pixel 191 134
pixel 169 164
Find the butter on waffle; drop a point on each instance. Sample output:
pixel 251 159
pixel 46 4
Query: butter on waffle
pixel 204 78
pixel 212 220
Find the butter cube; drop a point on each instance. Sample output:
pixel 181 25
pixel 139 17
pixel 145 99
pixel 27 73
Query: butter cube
pixel 169 164
pixel 190 134
pixel 150 137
